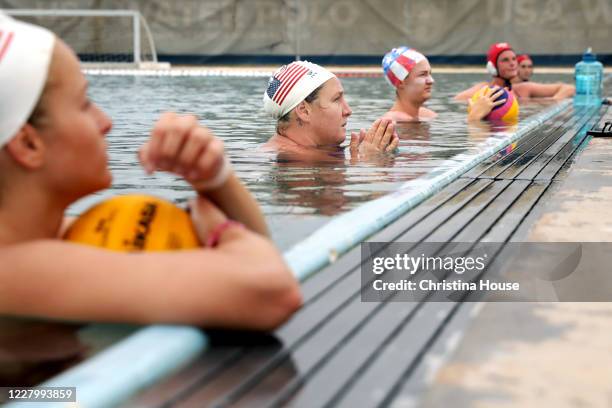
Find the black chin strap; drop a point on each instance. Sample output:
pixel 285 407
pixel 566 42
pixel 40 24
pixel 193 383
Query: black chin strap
pixel 507 84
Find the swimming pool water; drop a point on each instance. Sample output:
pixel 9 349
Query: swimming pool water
pixel 297 197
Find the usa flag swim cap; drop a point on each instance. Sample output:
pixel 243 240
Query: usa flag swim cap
pixel 291 84
pixel 398 63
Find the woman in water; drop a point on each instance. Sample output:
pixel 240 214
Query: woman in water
pixel 502 65
pixel 409 72
pixel 525 67
pixel 307 101
pixel 53 152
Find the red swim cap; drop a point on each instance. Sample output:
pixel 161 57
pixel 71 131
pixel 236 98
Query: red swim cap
pixel 522 58
pixel 495 50
pixel 493 55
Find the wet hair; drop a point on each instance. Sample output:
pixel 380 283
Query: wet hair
pixel 284 120
pixel 37 114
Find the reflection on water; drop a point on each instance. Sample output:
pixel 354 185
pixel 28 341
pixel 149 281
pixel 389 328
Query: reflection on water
pixel 297 196
pixel 33 350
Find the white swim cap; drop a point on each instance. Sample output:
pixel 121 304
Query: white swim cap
pixel 291 84
pixel 25 55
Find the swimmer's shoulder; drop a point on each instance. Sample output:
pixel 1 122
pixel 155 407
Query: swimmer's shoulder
pixel 426 113
pixel 534 89
pixel 398 116
pixel 522 89
pixel 288 151
pixel 275 143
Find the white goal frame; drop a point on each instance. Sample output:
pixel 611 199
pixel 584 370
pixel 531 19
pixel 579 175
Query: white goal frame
pixel 137 21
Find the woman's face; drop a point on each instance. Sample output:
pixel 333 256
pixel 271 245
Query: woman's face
pixel 525 69
pixel 330 113
pixel 507 67
pixel 419 83
pixel 73 130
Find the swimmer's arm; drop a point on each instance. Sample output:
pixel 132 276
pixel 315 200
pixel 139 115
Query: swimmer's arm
pixel 180 145
pixel 467 94
pixel 238 203
pixel 241 283
pixel 566 91
pixel 555 91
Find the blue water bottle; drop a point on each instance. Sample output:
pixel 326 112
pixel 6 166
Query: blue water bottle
pixel 589 78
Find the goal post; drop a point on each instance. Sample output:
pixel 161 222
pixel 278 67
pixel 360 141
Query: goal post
pixel 105 38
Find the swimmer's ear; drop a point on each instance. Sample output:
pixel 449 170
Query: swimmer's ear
pixel 27 148
pixel 303 112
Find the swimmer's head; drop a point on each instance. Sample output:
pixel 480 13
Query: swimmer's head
pixel 399 62
pixel 523 57
pixel 291 84
pixel 53 124
pixel 409 72
pixel 307 99
pixel 25 55
pixel 525 67
pixel 501 61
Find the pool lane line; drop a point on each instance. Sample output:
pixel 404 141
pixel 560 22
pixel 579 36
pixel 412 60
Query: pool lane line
pixel 114 375
pixel 268 70
pixel 241 73
pixel 349 229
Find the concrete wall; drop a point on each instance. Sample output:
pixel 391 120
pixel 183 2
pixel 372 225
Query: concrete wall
pixel 353 28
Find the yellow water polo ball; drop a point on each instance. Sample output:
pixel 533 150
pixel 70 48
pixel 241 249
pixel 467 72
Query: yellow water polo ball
pixel 132 223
